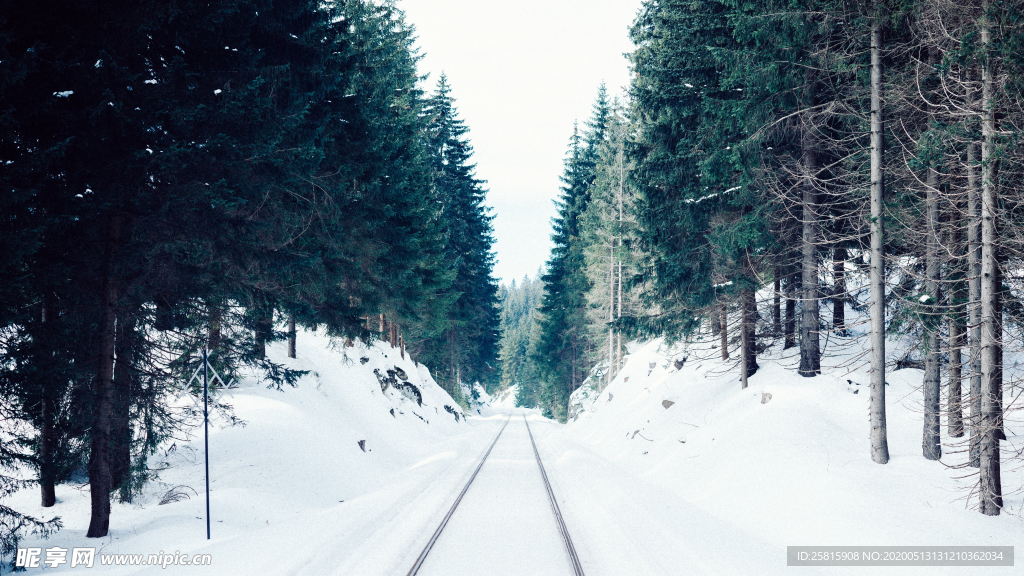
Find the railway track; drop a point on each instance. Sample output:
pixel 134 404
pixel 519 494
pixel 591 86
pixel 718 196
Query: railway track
pixel 576 567
pixel 556 512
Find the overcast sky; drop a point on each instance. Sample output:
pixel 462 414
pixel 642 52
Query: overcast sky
pixel 521 73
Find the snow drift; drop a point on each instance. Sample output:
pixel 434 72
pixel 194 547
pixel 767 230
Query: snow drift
pixel 332 467
pixel 787 460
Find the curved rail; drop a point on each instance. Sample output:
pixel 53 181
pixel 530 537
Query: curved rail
pixel 576 567
pixel 426 550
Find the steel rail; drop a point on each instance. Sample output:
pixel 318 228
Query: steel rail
pixel 576 567
pixel 437 533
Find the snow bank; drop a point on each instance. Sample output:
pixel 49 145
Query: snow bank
pixel 506 399
pixel 292 490
pixel 672 469
pixel 784 462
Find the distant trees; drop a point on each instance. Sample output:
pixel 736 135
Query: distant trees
pixel 187 175
pixel 520 331
pixel 590 280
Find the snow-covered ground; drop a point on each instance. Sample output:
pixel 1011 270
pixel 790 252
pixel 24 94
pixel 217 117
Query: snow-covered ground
pixel 504 526
pixel 292 490
pixel 505 399
pixel 667 471
pixel 785 462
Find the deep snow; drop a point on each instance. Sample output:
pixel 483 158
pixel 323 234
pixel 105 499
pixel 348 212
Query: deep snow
pixel 716 483
pixel 292 489
pixel 793 469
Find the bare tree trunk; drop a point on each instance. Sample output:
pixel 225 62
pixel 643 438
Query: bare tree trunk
pixel 839 289
pixel 611 312
pixel 47 432
pixel 618 314
pixel 744 342
pixel 974 300
pixel 789 340
pixel 264 328
pixel 452 371
pixel 777 303
pixel 749 335
pixel 47 441
pixel 931 442
pixel 724 331
pixel 214 336
pixel 120 420
pixel 990 492
pixel 955 416
pixel 574 354
pixel 1000 432
pixel 100 482
pixel 879 435
pixel 291 335
pixel 810 346
pixel 618 352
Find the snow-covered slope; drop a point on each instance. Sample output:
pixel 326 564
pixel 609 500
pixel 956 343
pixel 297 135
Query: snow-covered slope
pixel 673 469
pixel 293 483
pixel 505 399
pixel 787 460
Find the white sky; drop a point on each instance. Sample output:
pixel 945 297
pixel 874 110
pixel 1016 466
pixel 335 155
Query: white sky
pixel 521 72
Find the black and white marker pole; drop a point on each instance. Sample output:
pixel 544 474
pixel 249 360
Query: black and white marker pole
pixel 206 433
pixel 210 375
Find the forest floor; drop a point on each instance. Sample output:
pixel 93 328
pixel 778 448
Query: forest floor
pixel 717 482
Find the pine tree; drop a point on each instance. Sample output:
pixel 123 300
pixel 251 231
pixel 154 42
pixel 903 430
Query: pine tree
pixel 463 347
pixel 564 350
pixel 607 235
pixel 169 179
pixel 698 194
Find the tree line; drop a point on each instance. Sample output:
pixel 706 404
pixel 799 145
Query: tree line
pixel 211 175
pixel 779 157
pixel 518 303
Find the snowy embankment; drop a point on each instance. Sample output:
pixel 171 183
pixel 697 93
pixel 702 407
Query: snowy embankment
pixel 292 490
pixel 504 400
pixel 672 469
pixel 785 462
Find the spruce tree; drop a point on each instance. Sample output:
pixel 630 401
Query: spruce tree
pixel 463 345
pixel 607 233
pixel 170 163
pixel 564 350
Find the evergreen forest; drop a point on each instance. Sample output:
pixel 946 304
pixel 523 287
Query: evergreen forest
pixel 183 178
pixel 804 172
pixel 191 176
